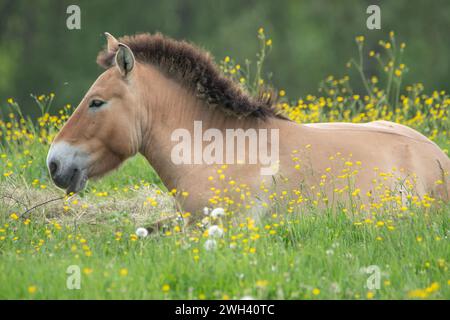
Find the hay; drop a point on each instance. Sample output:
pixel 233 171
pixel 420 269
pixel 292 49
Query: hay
pixel 89 208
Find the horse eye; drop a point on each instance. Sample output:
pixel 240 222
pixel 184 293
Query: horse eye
pixel 96 103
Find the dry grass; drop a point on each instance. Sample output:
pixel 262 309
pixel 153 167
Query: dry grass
pixel 89 209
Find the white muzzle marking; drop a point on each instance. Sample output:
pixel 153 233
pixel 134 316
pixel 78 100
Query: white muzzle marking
pixel 68 166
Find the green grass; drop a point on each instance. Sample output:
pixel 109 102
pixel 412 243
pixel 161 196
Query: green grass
pixel 317 250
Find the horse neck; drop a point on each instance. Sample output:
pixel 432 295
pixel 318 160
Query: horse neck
pixel 168 106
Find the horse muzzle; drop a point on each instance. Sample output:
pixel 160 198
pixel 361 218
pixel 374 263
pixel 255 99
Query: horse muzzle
pixel 67 166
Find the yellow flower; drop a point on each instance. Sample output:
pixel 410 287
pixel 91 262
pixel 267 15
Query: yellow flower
pixel 359 39
pixel 262 283
pixel 165 288
pixel 370 295
pixel 316 291
pixel 282 93
pixel 380 223
pixel 418 293
pixel 87 271
pixel 32 289
pixel 123 272
pixel 14 216
pixel 433 287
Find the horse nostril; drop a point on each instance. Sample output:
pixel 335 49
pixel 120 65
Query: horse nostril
pixel 53 167
pixel 74 173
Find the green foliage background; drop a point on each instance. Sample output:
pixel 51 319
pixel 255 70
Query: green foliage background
pixel 311 39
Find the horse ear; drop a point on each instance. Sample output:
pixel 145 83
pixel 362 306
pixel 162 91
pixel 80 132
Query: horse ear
pixel 113 44
pixel 124 59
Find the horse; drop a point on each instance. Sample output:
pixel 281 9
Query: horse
pixel 154 86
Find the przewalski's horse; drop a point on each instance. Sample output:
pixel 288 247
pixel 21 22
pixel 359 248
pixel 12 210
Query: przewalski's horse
pixel 153 86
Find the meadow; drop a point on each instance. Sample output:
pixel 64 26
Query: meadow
pixel 301 249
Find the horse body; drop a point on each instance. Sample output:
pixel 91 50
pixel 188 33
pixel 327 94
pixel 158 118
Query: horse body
pixel 138 102
pixel 380 147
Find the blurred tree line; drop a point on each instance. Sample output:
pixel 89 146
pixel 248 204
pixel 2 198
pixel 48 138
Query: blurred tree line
pixel 311 39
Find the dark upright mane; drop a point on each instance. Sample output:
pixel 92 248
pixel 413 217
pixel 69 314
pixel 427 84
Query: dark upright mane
pixel 194 69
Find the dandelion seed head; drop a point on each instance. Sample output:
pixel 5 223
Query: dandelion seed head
pixel 215 231
pixel 141 232
pixel 217 212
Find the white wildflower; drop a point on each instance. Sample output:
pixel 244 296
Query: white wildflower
pixel 205 211
pixel 217 212
pixel 215 232
pixel 141 232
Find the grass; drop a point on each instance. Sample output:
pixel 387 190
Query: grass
pixel 293 253
pixel 323 251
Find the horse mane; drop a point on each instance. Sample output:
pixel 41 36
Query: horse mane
pixel 196 70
